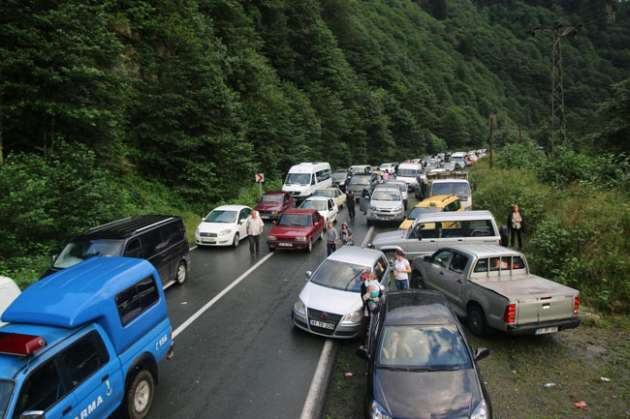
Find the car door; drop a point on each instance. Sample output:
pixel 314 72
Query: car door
pixel 453 278
pixel 382 271
pixel 332 209
pixel 44 390
pixel 92 375
pixel 153 250
pixel 436 268
pixel 422 240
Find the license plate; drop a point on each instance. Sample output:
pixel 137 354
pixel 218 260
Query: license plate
pixel 208 241
pixel 545 330
pixel 285 244
pixel 323 325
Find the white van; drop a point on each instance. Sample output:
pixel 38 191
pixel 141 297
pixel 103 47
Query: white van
pixel 8 292
pixel 457 187
pixel 409 173
pixel 459 158
pixel 305 178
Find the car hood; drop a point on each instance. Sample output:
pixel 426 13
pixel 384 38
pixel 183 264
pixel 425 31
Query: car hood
pixel 330 300
pixel 294 188
pixel 289 231
pixel 214 227
pixel 268 206
pixel 438 394
pixel 386 204
pixel 389 237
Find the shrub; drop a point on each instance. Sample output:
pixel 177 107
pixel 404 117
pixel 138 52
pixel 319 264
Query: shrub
pixel 520 156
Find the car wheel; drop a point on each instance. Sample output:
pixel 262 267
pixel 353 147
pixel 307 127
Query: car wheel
pixel 236 240
pixel 139 395
pixel 182 273
pixel 477 321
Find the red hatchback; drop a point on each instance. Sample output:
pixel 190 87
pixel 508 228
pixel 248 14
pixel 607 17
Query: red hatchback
pixel 273 204
pixel 297 228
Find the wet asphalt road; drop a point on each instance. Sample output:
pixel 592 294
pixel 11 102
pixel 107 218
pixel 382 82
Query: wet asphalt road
pixel 242 358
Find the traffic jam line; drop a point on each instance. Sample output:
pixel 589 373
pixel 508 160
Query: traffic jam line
pixel 220 295
pixel 314 403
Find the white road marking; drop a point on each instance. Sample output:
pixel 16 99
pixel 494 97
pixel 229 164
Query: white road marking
pixel 193 248
pixel 313 405
pixel 220 295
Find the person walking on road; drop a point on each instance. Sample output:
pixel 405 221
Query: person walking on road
pixel 254 227
pixel 346 234
pixel 350 204
pixel 401 270
pixel 331 239
pixel 515 226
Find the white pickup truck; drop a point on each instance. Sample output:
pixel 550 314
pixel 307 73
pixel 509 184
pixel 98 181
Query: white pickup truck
pixel 492 287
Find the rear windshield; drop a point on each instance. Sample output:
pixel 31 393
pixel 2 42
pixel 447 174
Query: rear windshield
pixel 456 188
pixel 338 275
pixel 407 172
pixel 504 263
pixel 326 192
pixel 272 198
pixel 360 180
pixel 295 220
pixel 79 250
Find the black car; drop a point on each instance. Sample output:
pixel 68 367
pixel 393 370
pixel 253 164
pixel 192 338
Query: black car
pixel 161 239
pixel 340 179
pixel 419 362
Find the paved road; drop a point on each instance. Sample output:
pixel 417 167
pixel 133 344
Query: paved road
pixel 241 358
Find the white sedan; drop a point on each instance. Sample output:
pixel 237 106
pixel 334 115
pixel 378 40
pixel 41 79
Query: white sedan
pixel 335 193
pixel 8 292
pixel 223 226
pixel 325 206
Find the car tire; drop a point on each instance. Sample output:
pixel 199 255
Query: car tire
pixel 139 395
pixel 236 240
pixel 476 320
pixel 182 273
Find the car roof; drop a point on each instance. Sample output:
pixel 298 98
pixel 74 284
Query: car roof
pixel 454 215
pixel 453 180
pixel 298 211
pixel 482 251
pixel 356 255
pixel 230 207
pixel 126 227
pixel 276 193
pixel 79 294
pixel 417 307
pixel 317 198
pixel 436 200
pixel 383 187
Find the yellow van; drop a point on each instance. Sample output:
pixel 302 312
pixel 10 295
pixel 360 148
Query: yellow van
pixel 436 203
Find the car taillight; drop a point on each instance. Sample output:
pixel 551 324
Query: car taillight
pixel 576 305
pixel 510 314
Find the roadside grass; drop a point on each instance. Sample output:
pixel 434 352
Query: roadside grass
pixel 517 370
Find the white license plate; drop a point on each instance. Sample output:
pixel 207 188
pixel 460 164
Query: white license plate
pixel 208 240
pixel 546 330
pixel 285 244
pixel 323 325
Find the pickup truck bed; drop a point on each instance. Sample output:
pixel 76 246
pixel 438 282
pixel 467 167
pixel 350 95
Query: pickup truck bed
pixel 522 287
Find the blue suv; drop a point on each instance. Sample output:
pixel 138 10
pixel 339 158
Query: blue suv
pixel 85 341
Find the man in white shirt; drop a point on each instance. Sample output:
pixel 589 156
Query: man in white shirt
pixel 255 227
pixel 401 270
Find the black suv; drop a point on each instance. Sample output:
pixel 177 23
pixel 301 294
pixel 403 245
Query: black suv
pixel 160 239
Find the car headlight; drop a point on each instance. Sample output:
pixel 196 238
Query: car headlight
pixel 299 308
pixel 354 317
pixel 378 412
pixel 224 232
pixel 300 239
pixel 481 411
pixel 272 238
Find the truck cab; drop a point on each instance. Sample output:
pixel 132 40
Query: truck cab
pixel 84 342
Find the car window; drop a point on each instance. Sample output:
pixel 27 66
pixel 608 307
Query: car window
pixel 429 230
pixel 442 257
pixel 379 268
pixel 458 263
pixel 172 233
pixel 136 299
pixel 41 390
pixel 244 214
pixel 482 265
pixel 497 263
pixel 330 205
pixel 134 248
pixel 518 263
pixel 82 359
pixel 150 242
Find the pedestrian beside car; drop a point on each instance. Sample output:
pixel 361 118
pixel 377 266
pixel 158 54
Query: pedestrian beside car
pixel 350 204
pixel 254 227
pixel 515 223
pixel 332 236
pixel 402 268
pixel 346 234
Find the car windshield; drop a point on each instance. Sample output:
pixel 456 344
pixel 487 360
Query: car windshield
pixel 318 204
pixel 459 189
pixel 424 348
pixel 360 180
pixel 6 388
pixel 79 250
pixel 383 195
pixel 328 193
pixel 298 179
pixel 358 169
pixel 295 220
pixel 221 216
pixel 418 211
pixel 338 176
pixel 401 186
pixel 338 275
pixel 407 172
pixel 272 198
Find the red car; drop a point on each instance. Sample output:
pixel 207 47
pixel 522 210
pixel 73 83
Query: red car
pixel 297 228
pixel 273 204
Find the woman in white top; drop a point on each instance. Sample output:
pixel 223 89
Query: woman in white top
pixel 401 270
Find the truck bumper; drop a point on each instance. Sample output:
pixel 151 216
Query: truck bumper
pixel 530 329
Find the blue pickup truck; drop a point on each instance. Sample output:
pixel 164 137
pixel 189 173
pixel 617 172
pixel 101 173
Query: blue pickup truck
pixel 85 342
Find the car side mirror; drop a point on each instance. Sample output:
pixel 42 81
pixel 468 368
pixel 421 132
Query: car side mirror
pixel 363 353
pixel 33 414
pixel 309 274
pixel 53 258
pixel 482 353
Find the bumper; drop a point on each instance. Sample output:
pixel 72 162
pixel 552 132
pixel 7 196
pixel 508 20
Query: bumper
pixel 215 241
pixel 399 218
pixel 530 329
pixel 288 245
pixel 349 331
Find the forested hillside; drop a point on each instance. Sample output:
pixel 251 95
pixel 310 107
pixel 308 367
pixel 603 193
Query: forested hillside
pixel 110 107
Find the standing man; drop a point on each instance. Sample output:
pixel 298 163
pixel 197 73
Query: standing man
pixel 401 270
pixel 350 204
pixel 255 227
pixel 331 239
pixel 515 226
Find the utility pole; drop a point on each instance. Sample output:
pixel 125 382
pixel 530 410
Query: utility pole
pixel 558 115
pixel 492 124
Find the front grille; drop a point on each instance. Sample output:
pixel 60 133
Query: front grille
pixel 325 317
pixel 208 234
